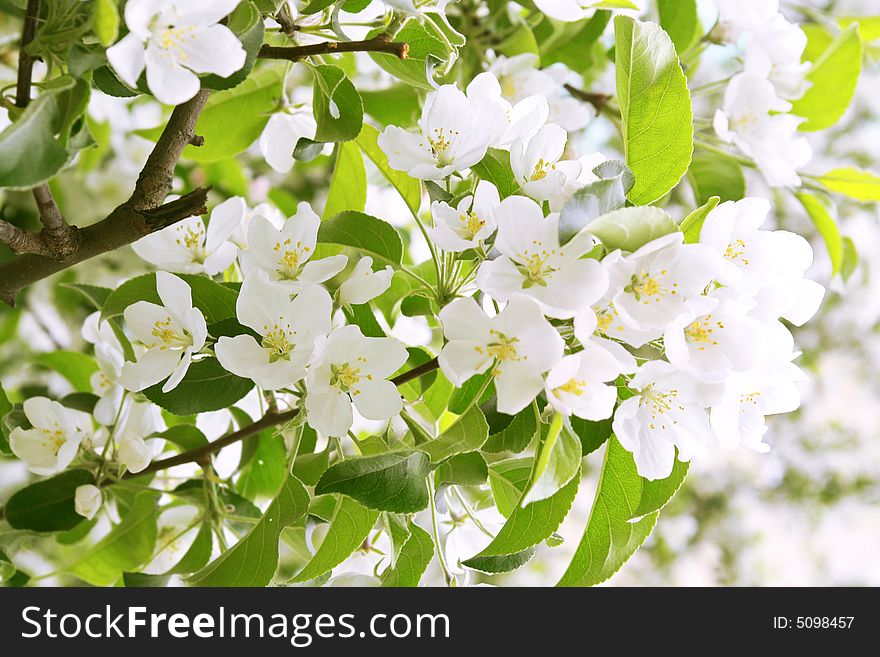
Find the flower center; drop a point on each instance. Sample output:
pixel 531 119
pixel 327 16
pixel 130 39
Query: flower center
pixel 172 38
pixel 346 376
pixel 193 241
pixel 659 403
pixel 534 267
pixel 440 143
pixel 701 332
pixel 541 170
pixel 277 340
pixel 736 251
pixel 648 285
pixel 471 224
pixel 290 258
pixel 166 331
pixel 508 86
pixel 501 349
pixel 573 387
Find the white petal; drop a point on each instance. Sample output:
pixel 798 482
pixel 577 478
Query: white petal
pixel 169 82
pixel 153 366
pixel 127 57
pixel 213 49
pixel 378 400
pixel 330 413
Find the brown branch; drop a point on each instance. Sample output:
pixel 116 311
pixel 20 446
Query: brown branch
pixel 61 239
pixel 20 240
pixel 137 217
pixel 25 61
pixel 597 100
pixel 380 43
pixel 270 419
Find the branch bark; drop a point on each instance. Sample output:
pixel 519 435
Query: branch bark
pixel 381 43
pixel 270 419
pixel 140 215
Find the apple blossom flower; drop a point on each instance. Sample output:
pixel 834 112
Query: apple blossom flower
pixel 87 500
pixel 287 328
pixel 770 139
pixel 774 51
pixel 738 417
pixel 171 333
pixel 452 136
pixel 186 247
pixel 469 224
pixel 536 165
pixel 364 284
pixel 711 342
pixel 667 412
pixel 654 284
pixel 52 442
pixel 738 16
pixel 597 325
pixel 578 384
pixel 518 344
pixel 533 263
pixel 284 253
pixel 281 134
pixel 507 122
pixel 353 369
pixel 265 210
pixel 768 266
pixel 175 40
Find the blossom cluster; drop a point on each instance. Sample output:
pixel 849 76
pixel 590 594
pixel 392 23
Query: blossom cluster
pixel 755 116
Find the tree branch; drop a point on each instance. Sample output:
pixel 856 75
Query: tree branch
pixel 597 100
pixel 140 215
pixel 25 61
pixel 270 419
pixel 381 43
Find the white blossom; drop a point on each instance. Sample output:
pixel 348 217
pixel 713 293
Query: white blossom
pixel 536 162
pixel 578 384
pixel 364 284
pixel 52 442
pixel 467 225
pixel 87 500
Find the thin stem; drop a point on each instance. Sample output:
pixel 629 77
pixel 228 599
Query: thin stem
pixel 381 43
pixel 450 580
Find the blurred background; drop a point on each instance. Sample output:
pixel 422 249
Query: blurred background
pixel 807 513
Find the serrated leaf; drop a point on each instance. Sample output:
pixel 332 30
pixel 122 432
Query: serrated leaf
pixel 655 108
pixel 656 493
pixel 628 229
pixel 254 559
pixel 365 233
pixel 413 560
pixel 826 224
pixel 507 480
pixel 48 505
pixel 348 185
pixel 338 108
pixel 469 469
pixel 495 167
pixel 205 387
pixel 198 554
pixel 393 481
pixel 680 20
pixel 216 301
pixel 349 526
pixel 466 434
pixel 425 46
pixel 500 564
pixel 517 435
pixel 859 184
pixel 833 77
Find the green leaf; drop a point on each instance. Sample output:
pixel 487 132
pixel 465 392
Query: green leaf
pixel 234 118
pixel 426 48
pixel 47 505
pixel 349 526
pixel 463 397
pixel 199 552
pixel 96 295
pixel 692 225
pixel 348 186
pixel 529 525
pixel 246 23
pixel 557 460
pixel 216 301
pixel 495 168
pixel 501 564
pixel 507 480
pixel 128 546
pixel 77 368
pixel 205 387
pixel 656 493
pixel 850 259
pixel 834 76
pixel 396 105
pixel 362 315
pixel 820 212
pixel 519 41
pixel 596 198
pixel 610 537
pixel 185 436
pixel 468 469
pixel 517 435
pixel 266 470
pixel 711 174
pixel 339 111
pixel 413 560
pixel 105 22
pixel 393 481
pixel 144 580
pixel 591 434
pixel 364 233
pixel 254 559
pixel 679 19
pixel 628 229
pixel 466 434
pixel 869 26
pixel 409 188
pixel 42 141
pixel 655 108
pixel 856 183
